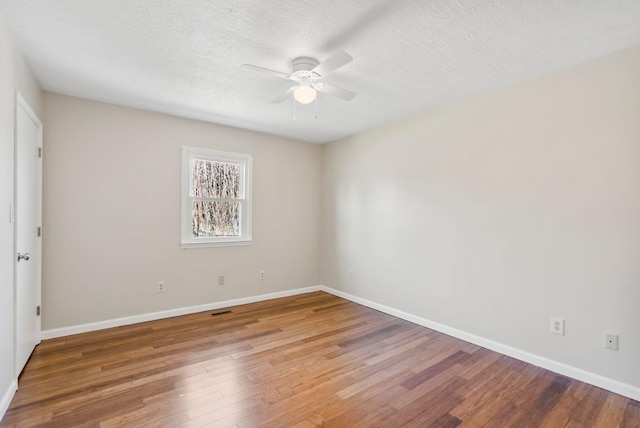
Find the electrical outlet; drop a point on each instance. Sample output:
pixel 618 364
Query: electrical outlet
pixel 221 280
pixel 611 341
pixel 160 287
pixel 557 326
pixel 351 275
pixel 262 275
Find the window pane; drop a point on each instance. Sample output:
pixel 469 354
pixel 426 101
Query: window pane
pixel 215 179
pixel 215 218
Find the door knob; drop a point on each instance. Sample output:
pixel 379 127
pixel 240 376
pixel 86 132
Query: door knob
pixel 24 256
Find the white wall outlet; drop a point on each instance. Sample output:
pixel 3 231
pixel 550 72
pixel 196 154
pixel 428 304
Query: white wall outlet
pixel 351 275
pixel 557 326
pixel 611 341
pixel 221 280
pixel 160 287
pixel 262 274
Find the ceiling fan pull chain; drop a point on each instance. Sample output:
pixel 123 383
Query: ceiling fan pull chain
pixel 294 109
pixel 315 107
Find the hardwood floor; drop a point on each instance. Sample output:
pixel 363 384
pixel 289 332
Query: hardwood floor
pixel 303 361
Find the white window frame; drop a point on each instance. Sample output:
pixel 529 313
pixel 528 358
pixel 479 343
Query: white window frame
pixel 245 162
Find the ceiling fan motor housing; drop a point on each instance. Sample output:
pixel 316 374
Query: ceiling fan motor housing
pixel 302 67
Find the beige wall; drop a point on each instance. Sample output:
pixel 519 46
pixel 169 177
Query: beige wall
pixel 494 214
pixel 14 76
pixel 112 215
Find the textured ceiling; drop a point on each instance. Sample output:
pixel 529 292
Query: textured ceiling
pixel 183 57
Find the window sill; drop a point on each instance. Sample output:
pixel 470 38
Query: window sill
pixel 215 244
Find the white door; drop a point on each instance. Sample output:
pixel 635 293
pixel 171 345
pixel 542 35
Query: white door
pixel 28 149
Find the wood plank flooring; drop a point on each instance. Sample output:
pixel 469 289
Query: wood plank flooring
pixel 303 361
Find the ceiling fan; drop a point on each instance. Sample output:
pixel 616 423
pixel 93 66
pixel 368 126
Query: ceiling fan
pixel 307 74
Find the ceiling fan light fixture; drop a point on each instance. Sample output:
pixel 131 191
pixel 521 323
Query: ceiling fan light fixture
pixel 304 93
pixel 307 74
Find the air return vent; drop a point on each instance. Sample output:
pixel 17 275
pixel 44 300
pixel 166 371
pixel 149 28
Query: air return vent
pixel 215 314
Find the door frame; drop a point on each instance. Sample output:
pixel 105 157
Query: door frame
pixel 21 103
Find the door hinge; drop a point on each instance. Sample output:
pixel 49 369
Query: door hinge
pixel 39 152
pixel 39 231
pixel 38 311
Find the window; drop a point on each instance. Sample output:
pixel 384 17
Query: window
pixel 216 198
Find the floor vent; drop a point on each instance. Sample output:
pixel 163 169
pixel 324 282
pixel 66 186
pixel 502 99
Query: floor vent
pixel 215 314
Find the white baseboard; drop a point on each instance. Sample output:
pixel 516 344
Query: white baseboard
pixel 117 322
pixel 603 382
pixel 7 396
pixel 612 385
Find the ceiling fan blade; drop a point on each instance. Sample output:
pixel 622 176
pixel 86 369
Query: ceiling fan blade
pixel 332 63
pixel 264 70
pixel 283 96
pixel 336 92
